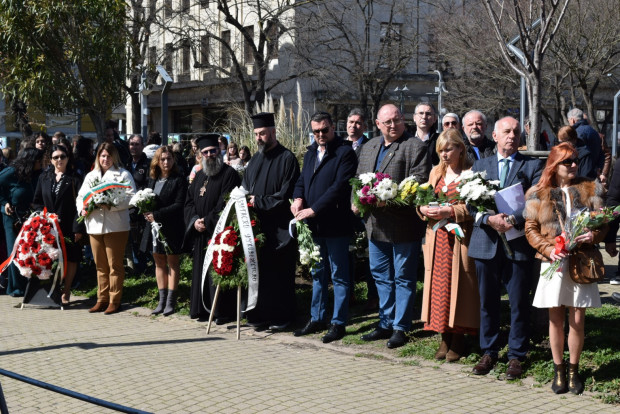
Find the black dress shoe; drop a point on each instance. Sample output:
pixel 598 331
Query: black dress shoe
pixel 397 339
pixel 223 320
pixel 486 364
pixel 279 325
pixel 310 328
pixel 514 369
pixel 378 333
pixel 335 333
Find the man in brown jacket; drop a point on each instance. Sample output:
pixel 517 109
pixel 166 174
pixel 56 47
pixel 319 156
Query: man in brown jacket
pixel 394 233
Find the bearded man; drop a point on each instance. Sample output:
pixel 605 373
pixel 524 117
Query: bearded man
pixel 205 200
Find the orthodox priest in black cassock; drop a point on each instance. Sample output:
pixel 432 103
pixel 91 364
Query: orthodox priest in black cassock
pixel 270 179
pixel 204 202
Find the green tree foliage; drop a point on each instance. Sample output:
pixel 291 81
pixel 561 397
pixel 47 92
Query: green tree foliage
pixel 64 56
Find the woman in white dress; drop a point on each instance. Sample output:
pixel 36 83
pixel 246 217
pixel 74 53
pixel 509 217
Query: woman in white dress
pixel 558 193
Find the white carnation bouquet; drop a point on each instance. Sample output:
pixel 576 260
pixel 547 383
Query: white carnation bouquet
pixel 144 201
pixel 103 193
pixel 372 190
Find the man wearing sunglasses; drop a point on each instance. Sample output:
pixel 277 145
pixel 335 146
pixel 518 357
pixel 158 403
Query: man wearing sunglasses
pixel 322 199
pixel 270 180
pixel 451 120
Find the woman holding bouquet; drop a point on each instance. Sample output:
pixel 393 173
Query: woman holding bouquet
pixel 170 189
pixel 451 303
pixel 548 204
pixel 107 224
pixel 56 190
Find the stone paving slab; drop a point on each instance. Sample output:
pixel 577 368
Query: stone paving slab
pixel 170 365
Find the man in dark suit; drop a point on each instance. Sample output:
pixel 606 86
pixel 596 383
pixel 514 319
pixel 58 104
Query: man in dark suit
pixel 494 265
pixel 356 126
pixel 478 145
pixel 322 199
pixel 394 233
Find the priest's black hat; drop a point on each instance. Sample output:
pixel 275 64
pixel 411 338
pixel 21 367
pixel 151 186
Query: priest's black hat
pixel 207 140
pixel 262 120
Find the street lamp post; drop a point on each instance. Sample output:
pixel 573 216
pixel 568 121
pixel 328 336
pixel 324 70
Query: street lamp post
pixel 439 89
pixel 401 94
pixel 164 103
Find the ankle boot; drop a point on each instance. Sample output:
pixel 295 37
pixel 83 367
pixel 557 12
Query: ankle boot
pixel 162 302
pixel 457 348
pixel 559 384
pixel 574 382
pixel 171 302
pixel 444 346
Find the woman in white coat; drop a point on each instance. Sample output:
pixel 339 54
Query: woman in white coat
pixel 108 227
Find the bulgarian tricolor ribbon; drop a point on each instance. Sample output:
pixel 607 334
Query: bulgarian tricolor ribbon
pixel 100 188
pixel 450 228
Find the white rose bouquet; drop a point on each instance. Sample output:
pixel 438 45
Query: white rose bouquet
pixel 144 201
pixel 103 193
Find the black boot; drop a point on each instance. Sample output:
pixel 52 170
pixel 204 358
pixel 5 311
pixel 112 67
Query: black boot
pixel 559 385
pixel 574 382
pixel 171 302
pixel 162 302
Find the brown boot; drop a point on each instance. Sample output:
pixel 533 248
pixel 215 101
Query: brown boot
pixel 457 348
pixel 444 346
pixel 99 307
pixel 112 308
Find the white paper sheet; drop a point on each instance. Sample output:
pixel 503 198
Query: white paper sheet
pixel 509 200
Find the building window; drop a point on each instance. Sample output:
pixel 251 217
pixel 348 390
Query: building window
pixel 152 8
pixel 204 50
pixel 185 57
pixel 168 59
pixel 185 6
pixel 182 120
pixel 248 53
pixel 224 49
pixel 204 3
pixel 272 40
pixel 167 8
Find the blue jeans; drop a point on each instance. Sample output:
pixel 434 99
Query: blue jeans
pixel 394 266
pixel 336 251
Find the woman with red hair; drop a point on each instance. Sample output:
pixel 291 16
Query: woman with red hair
pixel 548 204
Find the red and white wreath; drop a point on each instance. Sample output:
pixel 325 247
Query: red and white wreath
pixel 224 251
pixel 38 245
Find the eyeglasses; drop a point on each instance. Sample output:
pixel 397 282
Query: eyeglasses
pixel 59 157
pixel 450 123
pixel 321 131
pixel 570 161
pixel 392 122
pixel 209 151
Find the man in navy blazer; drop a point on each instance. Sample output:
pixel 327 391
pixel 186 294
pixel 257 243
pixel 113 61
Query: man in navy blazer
pixel 494 265
pixel 321 198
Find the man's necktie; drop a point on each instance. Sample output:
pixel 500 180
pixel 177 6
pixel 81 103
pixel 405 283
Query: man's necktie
pixel 504 173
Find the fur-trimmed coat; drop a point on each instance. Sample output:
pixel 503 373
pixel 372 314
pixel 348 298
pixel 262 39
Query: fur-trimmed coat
pixel 542 207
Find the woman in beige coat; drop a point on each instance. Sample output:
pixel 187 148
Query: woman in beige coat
pixel 451 303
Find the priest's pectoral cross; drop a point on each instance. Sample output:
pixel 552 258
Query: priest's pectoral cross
pixel 204 188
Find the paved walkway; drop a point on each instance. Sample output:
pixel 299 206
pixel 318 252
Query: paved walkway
pixel 170 365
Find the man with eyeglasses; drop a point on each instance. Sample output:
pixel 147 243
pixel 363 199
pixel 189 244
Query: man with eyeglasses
pixel 270 180
pixel 477 144
pixel 497 266
pixel 425 119
pixel 322 199
pixel 394 233
pixel 204 201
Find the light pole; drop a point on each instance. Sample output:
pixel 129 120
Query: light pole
pixel 439 90
pixel 164 103
pixel 401 94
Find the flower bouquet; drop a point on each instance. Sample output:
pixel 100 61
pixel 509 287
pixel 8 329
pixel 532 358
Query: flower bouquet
pixel 580 222
pixel 474 189
pixel 103 193
pixel 371 190
pixel 144 201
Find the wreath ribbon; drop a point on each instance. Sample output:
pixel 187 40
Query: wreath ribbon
pixel 453 228
pixel 238 200
pixel 100 188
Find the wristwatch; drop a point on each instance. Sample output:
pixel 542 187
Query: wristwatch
pixel 511 220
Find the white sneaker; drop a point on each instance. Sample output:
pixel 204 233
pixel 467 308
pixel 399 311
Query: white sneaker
pixel 615 281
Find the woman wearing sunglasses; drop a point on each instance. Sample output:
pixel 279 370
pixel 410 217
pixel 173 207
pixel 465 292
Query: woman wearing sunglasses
pixel 548 204
pixel 56 190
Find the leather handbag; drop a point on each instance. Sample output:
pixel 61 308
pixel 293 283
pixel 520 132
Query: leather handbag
pixel 585 264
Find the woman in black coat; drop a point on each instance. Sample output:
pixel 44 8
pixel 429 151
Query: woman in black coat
pixel 170 188
pixel 56 190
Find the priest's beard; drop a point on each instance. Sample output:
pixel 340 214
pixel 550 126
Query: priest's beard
pixel 212 166
pixel 261 146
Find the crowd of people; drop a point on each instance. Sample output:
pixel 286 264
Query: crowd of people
pixel 463 276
